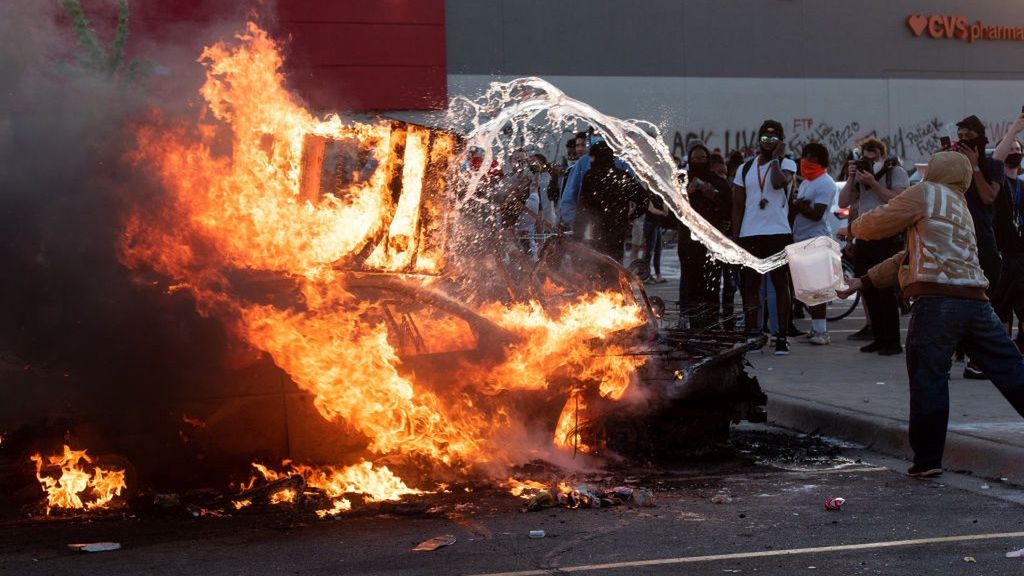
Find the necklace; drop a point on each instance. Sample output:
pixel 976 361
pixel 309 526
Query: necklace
pixel 763 178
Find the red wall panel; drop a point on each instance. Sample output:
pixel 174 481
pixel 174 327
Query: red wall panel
pixel 358 55
pixel 367 54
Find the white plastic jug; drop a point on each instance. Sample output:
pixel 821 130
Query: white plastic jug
pixel 816 267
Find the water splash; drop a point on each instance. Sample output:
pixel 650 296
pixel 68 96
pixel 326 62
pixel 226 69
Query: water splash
pixel 531 112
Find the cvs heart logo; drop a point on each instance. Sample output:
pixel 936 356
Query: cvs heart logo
pixel 917 23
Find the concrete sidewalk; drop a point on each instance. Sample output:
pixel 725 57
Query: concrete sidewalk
pixel 863 398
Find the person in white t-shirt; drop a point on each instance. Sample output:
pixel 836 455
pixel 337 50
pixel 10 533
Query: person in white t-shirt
pixel 761 207
pixel 812 201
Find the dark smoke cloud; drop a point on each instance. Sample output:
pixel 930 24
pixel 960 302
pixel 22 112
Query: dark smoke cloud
pixel 84 347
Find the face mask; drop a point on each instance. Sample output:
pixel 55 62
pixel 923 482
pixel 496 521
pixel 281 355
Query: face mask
pixel 977 144
pixel 810 170
pixel 1014 159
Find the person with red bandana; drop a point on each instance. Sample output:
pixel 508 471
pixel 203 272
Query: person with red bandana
pixel 812 200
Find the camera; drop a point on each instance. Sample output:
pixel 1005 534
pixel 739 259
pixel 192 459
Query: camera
pixel 864 165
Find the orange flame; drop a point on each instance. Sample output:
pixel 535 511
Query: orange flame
pixel 524 488
pixel 573 416
pixel 261 206
pixel 376 484
pixel 78 477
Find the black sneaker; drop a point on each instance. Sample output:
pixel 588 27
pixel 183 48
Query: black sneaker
pixel 923 471
pixel 781 347
pixel 865 334
pixel 873 347
pixel 972 372
pixel 890 350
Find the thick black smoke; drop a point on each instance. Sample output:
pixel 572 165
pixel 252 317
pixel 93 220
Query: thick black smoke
pixel 85 348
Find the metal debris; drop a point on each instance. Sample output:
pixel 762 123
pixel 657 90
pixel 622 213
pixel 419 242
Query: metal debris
pixel 96 546
pixel 435 543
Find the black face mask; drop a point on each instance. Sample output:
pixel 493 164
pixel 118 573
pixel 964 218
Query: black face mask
pixel 700 169
pixel 977 144
pixel 1013 160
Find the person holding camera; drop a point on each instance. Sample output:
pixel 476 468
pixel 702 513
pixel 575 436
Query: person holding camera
pixel 761 207
pixel 873 180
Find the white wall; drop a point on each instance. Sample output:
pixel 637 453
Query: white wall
pixel 912 113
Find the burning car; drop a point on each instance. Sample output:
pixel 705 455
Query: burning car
pixel 404 317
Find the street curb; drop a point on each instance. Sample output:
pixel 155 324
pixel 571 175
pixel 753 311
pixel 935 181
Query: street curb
pixel 978 456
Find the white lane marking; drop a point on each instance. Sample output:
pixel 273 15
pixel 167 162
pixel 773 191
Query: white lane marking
pixel 760 554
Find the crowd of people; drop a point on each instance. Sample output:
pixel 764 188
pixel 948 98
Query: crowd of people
pixel 953 244
pixel 766 199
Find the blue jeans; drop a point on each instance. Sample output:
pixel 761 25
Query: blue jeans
pixel 652 246
pixel 768 296
pixel 937 324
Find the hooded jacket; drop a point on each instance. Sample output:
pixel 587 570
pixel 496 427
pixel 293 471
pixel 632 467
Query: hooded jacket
pixel 941 255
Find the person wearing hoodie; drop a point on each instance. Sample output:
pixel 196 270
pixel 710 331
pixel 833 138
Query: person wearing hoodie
pixel 940 272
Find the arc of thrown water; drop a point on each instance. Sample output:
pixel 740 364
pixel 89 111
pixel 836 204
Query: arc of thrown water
pixel 649 158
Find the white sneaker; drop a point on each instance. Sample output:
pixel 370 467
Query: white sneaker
pixel 822 339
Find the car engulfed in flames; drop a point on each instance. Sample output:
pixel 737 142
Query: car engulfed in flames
pixel 356 257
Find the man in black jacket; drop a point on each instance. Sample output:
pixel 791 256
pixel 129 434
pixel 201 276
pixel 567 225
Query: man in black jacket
pixel 603 213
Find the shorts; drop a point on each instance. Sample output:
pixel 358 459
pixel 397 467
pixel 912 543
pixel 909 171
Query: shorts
pixel 766 245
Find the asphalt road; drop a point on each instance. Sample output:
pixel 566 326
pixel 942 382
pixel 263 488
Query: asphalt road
pixel 772 522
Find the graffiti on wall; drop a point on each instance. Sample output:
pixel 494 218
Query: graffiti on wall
pixel 913 143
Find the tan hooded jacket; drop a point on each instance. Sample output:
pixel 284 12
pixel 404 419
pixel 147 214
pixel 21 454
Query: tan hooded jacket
pixel 941 255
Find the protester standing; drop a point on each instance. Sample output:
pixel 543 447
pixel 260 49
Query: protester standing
pixel 1008 215
pixel 604 214
pixel 761 207
pixel 981 195
pixel 710 196
pixel 574 181
pixel 873 182
pixel 941 272
pixel 812 201
pixel 730 272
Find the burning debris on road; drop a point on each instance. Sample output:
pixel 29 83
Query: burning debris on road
pixel 371 266
pixel 73 481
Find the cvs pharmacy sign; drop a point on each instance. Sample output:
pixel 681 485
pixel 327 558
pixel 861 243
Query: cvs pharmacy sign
pixel 958 28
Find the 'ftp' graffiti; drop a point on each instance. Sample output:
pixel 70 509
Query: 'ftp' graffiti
pixel 836 139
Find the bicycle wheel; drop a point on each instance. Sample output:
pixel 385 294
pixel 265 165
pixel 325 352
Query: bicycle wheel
pixel 841 308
